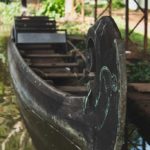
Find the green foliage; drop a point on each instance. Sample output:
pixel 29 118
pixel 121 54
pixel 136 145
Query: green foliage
pixel 13 143
pixel 3 131
pixel 74 28
pixel 117 4
pixel 139 39
pixel 8 11
pixel 5 1
pixel 134 137
pixel 139 72
pixel 52 8
pixel 3 43
pixel 89 10
pixel 136 38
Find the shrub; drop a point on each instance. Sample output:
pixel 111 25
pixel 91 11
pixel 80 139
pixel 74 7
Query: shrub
pixel 139 72
pixel 8 11
pixel 52 8
pixel 117 4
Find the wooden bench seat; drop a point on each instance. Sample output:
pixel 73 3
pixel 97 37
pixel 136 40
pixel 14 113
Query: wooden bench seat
pixel 32 18
pixel 79 90
pixel 139 87
pixel 53 65
pixel 64 75
pixel 32 46
pixel 42 29
pixel 49 56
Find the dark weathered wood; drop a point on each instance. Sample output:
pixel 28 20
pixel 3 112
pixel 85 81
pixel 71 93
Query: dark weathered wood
pixel 35 25
pixel 49 100
pixel 64 75
pixel 41 29
pixel 26 25
pixel 66 102
pixel 107 93
pixel 138 98
pixel 139 109
pixel 140 87
pixel 74 89
pixel 68 75
pixel 49 55
pixel 41 18
pixel 33 22
pixel 29 47
pixel 27 22
pixel 137 56
pixel 38 47
pixel 53 65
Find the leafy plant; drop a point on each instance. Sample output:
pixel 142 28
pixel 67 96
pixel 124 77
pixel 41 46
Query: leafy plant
pixel 74 28
pixel 139 72
pixel 135 37
pixel 52 8
pixel 8 11
pixel 117 4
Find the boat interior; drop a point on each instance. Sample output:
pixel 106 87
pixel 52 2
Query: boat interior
pixel 50 54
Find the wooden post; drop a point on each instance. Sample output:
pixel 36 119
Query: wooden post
pixel 127 25
pixel 95 11
pixel 145 25
pixel 110 7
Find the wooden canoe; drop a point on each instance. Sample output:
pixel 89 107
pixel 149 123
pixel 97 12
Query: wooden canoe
pixel 69 101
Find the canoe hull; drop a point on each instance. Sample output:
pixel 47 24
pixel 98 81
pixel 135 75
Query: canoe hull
pixel 62 121
pixel 39 106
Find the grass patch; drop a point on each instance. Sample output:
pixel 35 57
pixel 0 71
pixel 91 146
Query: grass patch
pixel 136 38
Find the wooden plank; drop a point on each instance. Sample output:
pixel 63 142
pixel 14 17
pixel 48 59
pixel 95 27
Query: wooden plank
pixel 53 65
pixel 138 97
pixel 23 46
pixel 34 27
pixel 24 53
pixel 49 55
pixel 44 37
pixel 23 23
pixel 137 56
pixel 31 23
pixel 32 17
pixel 40 29
pixel 64 75
pixel 41 46
pixel 140 87
pixel 74 89
pixel 34 21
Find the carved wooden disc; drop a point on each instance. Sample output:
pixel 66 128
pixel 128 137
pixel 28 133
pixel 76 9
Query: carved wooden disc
pixel 106 98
